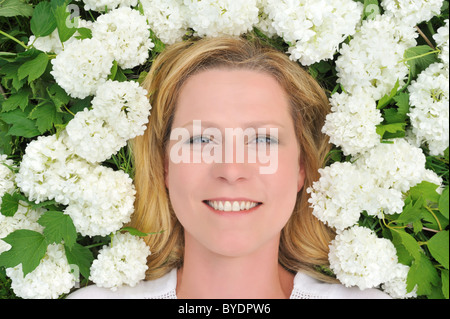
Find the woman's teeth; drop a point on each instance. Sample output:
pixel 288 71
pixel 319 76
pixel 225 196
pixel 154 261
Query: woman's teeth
pixel 231 206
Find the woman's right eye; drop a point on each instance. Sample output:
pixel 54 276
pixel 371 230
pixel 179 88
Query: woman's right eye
pixel 199 139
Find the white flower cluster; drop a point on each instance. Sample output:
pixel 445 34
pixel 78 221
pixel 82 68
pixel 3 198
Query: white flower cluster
pixel 121 35
pixel 359 258
pixel 167 18
pixel 429 112
pixel 100 200
pixel 119 112
pixel 53 276
pixel 313 28
pixel 442 41
pixel 105 5
pixel 364 66
pixel 412 12
pixel 6 177
pixel 374 183
pixel 123 262
pixel 352 122
pixel 49 280
pixel 221 17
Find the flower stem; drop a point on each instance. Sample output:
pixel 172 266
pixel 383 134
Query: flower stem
pixel 14 39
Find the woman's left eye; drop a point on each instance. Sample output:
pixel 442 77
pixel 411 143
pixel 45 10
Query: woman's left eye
pixel 265 139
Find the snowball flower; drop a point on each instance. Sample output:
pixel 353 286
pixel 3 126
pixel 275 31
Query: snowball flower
pixel 167 18
pixel 82 67
pixel 363 65
pixel 441 37
pixel 429 112
pixel 123 262
pixel 104 5
pixel 103 201
pixel 119 112
pixel 352 122
pixel 50 279
pixel 412 12
pixel 91 137
pixel 314 28
pixel 398 165
pixel 125 34
pixel 359 258
pixel 212 18
pixel 344 191
pixel 24 218
pixel 6 177
pixel 396 287
pixel 48 170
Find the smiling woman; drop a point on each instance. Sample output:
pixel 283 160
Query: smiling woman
pixel 229 230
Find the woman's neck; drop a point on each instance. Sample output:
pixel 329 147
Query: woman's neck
pixel 258 275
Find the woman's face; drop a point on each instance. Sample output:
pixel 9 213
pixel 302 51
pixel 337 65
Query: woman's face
pixel 233 167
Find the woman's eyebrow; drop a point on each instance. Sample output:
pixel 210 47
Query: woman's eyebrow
pixel 251 124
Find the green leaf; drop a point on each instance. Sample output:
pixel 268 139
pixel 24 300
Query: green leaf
pixel 411 212
pixel 21 125
pixel 419 58
pixel 439 247
pixel 46 116
pixel 423 275
pixel 445 282
pixel 10 204
pixel 42 22
pixel 33 68
pixel 19 99
pixel 80 256
pixel 443 202
pixel 58 227
pixel 28 248
pixel 66 28
pixel 394 128
pixel 385 100
pixel 426 190
pixel 400 237
pixel 12 8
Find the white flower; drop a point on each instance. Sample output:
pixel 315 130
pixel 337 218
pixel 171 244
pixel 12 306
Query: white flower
pixel 104 5
pixel 124 105
pixel 352 122
pixel 264 23
pixel 91 137
pixel 412 12
pixel 398 165
pixel 167 18
pixel 396 287
pixel 125 34
pixel 103 201
pixel 364 65
pixel 119 112
pixel 6 177
pixel 213 18
pixel 24 218
pixel 123 262
pixel 359 258
pixel 429 112
pixel 82 67
pixel 442 41
pixel 48 170
pixel 52 43
pixel 50 279
pixel 344 191
pixel 314 28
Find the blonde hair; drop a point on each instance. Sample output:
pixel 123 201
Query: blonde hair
pixel 304 240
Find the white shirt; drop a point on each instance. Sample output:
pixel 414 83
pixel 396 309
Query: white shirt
pixel 305 287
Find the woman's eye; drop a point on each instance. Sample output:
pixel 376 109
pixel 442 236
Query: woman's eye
pixel 199 139
pixel 265 139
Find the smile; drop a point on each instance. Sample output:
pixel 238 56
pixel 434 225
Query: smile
pixel 231 206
